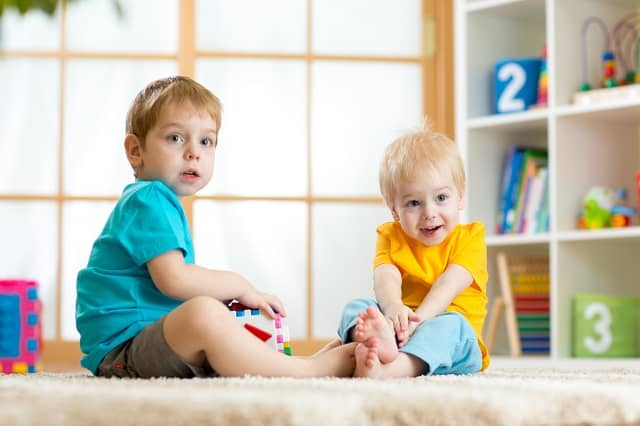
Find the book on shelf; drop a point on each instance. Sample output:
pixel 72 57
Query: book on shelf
pixel 523 191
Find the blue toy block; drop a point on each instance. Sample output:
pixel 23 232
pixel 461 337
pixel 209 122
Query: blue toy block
pixel 516 84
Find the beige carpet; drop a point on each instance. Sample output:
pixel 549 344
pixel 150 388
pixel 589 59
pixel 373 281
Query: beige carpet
pixel 502 396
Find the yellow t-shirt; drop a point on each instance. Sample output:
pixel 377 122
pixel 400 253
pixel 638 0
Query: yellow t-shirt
pixel 421 265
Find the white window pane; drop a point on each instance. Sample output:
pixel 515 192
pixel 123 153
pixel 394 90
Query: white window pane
pixel 357 110
pixel 265 242
pixel 29 233
pixel 146 26
pixel 252 25
pixel 35 30
pixel 367 27
pixel 344 238
pixel 263 142
pixel 29 126
pixel 99 95
pixel 82 222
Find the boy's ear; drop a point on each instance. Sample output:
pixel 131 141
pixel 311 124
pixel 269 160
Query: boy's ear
pixel 395 215
pixel 134 151
pixel 461 201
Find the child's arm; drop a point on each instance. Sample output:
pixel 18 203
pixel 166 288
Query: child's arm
pixel 182 281
pixel 447 287
pixel 387 283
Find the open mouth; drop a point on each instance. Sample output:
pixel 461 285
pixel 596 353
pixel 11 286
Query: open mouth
pixel 430 230
pixel 191 173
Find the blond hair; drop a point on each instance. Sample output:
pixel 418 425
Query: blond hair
pixel 147 105
pixel 411 156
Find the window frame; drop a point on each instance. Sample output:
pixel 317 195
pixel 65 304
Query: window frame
pixel 436 61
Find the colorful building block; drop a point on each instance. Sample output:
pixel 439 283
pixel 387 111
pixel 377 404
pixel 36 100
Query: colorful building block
pixel 20 332
pixel 274 332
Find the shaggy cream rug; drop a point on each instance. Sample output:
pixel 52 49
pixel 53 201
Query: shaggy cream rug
pixel 502 396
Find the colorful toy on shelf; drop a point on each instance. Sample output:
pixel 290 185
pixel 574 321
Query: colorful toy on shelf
pixel 274 333
pixel 596 208
pixel 20 333
pixel 620 48
pixel 543 82
pixel 586 86
pixel 524 298
pixel 609 69
pixel 603 208
pixel 622 212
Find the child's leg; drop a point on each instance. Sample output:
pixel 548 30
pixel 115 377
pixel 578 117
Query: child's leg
pixel 203 327
pixel 445 344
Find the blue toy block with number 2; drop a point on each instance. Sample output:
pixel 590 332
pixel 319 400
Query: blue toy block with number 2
pixel 516 84
pixel 605 326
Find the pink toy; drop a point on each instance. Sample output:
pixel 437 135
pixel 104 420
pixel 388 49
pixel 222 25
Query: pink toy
pixel 20 334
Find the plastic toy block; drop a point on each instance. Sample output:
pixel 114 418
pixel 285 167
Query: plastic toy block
pixel 260 334
pixel 274 332
pixel 20 330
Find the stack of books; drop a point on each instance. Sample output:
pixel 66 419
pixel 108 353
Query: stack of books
pixel 524 201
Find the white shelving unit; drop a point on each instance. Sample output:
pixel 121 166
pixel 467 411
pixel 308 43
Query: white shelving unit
pixel 587 145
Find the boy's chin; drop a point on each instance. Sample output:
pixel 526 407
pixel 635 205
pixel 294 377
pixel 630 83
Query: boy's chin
pixel 183 190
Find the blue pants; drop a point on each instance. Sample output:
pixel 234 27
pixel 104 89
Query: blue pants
pixel 447 344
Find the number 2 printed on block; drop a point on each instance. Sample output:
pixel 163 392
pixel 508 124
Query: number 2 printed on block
pixel 516 84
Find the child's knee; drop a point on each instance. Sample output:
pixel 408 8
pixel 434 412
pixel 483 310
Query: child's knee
pixel 204 312
pixel 359 305
pixel 457 324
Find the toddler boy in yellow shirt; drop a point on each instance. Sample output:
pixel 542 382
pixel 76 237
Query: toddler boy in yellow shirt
pixel 430 271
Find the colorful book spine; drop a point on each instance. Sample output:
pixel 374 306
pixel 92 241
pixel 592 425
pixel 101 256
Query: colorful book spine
pixel 523 191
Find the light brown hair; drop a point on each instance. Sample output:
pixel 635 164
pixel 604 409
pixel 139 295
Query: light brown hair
pixel 147 105
pixel 412 155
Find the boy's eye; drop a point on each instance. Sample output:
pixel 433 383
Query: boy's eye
pixel 442 197
pixel 175 138
pixel 207 142
pixel 413 203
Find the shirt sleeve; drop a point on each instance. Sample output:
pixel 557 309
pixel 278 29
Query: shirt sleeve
pixel 471 254
pixel 154 224
pixel 383 247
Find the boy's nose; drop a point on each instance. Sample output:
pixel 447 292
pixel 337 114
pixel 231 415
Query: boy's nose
pixel 429 211
pixel 192 152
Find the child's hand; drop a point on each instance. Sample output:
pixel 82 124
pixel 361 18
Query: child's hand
pixel 408 333
pixel 402 317
pixel 267 302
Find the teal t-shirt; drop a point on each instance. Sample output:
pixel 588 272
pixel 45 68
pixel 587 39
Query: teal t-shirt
pixel 116 297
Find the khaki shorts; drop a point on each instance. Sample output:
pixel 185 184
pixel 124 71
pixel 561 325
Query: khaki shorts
pixel 148 355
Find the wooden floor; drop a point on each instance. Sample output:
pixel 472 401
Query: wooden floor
pixel 59 367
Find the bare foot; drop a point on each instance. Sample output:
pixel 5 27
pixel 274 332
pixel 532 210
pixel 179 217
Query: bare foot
pixel 371 323
pixel 367 361
pixel 337 362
